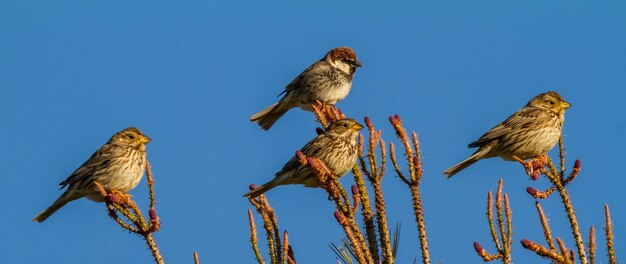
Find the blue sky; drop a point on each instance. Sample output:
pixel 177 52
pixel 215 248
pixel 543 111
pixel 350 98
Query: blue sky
pixel 189 74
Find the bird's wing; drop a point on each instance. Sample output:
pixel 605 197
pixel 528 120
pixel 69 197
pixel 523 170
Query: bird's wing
pixel 523 118
pixel 99 159
pixel 293 85
pixel 311 149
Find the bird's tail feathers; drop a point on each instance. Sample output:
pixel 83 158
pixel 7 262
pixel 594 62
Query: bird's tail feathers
pixel 65 198
pixel 268 116
pixel 262 189
pixel 461 166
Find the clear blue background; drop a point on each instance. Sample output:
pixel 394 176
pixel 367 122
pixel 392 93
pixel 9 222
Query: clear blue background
pixel 189 74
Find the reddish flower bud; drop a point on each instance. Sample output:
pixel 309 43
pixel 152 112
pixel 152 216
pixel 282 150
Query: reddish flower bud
pixel 526 243
pixel 355 190
pixel 535 175
pixel 532 191
pixel 478 247
pixel 398 118
pixel 311 161
pixel 368 122
pixel 392 119
pixel 252 187
pixel 300 155
pixel 338 216
pixel 112 198
pixel 416 160
pixel 577 165
pixel 153 214
pixel 319 130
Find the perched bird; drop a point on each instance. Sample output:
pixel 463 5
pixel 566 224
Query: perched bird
pixel 117 165
pixel 336 147
pixel 328 80
pixel 530 132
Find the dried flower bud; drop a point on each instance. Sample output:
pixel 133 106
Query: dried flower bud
pixel 532 191
pixel 398 118
pixel 252 187
pixel 526 243
pixel 478 247
pixel 577 165
pixel 153 214
pixel 392 119
pixel 319 130
pixel 355 190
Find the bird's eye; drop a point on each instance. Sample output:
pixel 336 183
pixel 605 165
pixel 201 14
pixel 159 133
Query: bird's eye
pixel 345 125
pixel 131 136
pixel 551 102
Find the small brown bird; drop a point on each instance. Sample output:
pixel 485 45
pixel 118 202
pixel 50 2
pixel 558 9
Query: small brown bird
pixel 328 80
pixel 336 147
pixel 530 132
pixel 117 165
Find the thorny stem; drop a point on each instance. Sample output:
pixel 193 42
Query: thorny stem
pixel 559 183
pixel 592 245
pixel 562 157
pixel 546 227
pixel 500 218
pixel 120 202
pixel 366 212
pixel 569 209
pixel 509 230
pixel 196 258
pixel 285 254
pixel 484 254
pixel 375 178
pixel 542 251
pixel 153 248
pixel 415 170
pixel 492 228
pixel 421 226
pixel 253 238
pixel 358 251
pixel 609 235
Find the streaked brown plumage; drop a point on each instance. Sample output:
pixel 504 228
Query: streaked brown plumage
pixel 117 165
pixel 328 80
pixel 530 132
pixel 336 147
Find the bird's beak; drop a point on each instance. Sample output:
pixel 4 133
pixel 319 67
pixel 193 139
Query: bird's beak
pixel 357 127
pixel 565 105
pixel 356 63
pixel 145 139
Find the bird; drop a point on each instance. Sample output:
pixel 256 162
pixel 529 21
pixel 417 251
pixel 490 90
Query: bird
pixel 117 165
pixel 530 132
pixel 328 80
pixel 336 147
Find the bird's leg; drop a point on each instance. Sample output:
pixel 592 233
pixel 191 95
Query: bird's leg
pixel 528 165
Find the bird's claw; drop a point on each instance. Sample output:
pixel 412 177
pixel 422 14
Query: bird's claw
pixel 532 166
